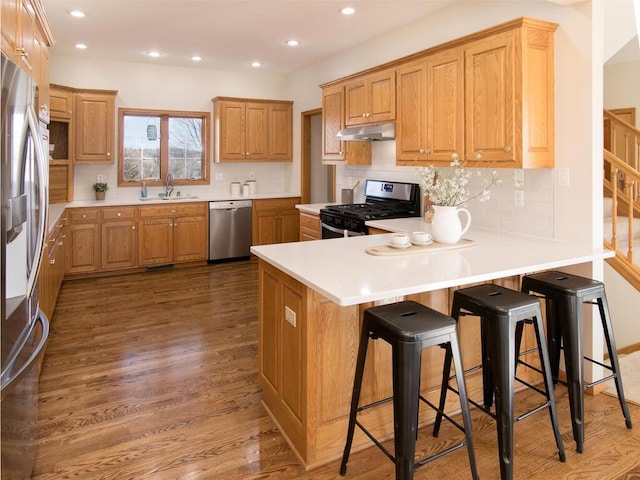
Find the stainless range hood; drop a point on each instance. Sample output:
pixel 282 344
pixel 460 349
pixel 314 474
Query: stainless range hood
pixel 368 133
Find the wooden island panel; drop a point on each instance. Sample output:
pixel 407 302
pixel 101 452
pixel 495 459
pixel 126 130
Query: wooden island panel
pixel 306 370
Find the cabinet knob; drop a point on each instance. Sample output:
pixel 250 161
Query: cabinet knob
pixel 454 156
pixel 507 148
pixel 23 52
pixel 108 154
pixel 133 227
pixel 340 152
pixel 84 215
pixel 60 243
pixel 478 154
pixel 52 261
pixel 119 214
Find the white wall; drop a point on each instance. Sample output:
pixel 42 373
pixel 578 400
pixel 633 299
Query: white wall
pixel 622 87
pixel 171 88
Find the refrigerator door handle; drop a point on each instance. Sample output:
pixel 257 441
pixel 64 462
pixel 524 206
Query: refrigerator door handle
pixel 42 318
pixel 43 218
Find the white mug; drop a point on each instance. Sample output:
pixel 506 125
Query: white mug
pixel 399 239
pixel 421 237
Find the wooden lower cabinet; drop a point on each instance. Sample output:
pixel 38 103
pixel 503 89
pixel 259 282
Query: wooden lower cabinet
pixel 119 238
pixel 307 354
pixel 172 233
pixel 53 268
pixel 309 227
pixel 83 252
pixel 275 220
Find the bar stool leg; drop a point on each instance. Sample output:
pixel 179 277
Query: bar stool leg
pixel 406 392
pixel 446 371
pixel 548 385
pixel 554 337
pixel 464 405
pixel 613 355
pixel 572 331
pixel 355 397
pixel 503 334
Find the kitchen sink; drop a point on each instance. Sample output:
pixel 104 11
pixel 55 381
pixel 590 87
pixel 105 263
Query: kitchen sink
pixel 170 199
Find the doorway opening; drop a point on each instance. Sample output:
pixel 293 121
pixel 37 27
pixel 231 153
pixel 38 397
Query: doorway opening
pixel 317 183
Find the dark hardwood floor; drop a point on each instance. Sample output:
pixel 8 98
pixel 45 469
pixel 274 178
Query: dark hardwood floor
pixel 153 376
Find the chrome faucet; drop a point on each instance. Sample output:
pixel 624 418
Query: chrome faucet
pixel 168 185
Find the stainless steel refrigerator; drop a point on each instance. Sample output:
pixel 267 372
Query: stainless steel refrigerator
pixel 25 328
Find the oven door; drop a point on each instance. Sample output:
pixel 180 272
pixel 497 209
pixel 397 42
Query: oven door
pixel 333 232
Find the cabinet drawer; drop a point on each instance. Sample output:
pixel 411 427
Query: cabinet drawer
pixel 309 221
pixel 84 215
pixel 173 210
pixel 118 213
pixel 275 204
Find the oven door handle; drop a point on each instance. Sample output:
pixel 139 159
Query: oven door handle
pixel 341 230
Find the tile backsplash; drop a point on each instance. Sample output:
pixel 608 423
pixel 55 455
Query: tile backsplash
pixel 535 217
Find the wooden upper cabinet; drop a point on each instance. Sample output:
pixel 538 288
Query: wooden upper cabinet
pixel 42 79
pixel 95 118
pixel 371 98
pixel 333 150
pixel 61 102
pixel 280 132
pixel 253 130
pixel 509 98
pixel 256 132
pixel 430 124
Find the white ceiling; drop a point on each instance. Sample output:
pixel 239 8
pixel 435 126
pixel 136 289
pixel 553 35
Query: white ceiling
pixel 228 34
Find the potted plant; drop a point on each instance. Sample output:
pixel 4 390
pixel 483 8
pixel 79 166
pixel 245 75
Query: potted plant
pixel 101 189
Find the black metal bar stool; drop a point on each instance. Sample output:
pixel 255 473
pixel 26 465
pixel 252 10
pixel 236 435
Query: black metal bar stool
pixel 564 295
pixel 408 327
pixel 501 310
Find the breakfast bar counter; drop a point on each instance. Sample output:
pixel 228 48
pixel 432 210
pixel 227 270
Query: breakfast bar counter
pixel 311 299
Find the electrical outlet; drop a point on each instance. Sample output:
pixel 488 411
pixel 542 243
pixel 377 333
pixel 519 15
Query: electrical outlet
pixel 100 178
pixel 563 177
pixel 219 176
pixel 518 198
pixel 290 316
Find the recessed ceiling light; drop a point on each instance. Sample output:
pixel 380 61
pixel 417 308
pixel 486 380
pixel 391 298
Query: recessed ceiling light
pixel 81 46
pixel 255 64
pixel 348 11
pixel 196 58
pixel 292 43
pixel 76 13
pixel 153 53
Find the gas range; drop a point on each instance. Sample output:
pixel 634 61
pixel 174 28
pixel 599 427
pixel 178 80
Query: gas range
pixel 383 200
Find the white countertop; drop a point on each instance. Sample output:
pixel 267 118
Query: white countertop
pixel 340 269
pixel 313 208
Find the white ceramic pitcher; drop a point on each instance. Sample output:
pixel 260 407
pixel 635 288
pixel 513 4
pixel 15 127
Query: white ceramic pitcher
pixel 446 226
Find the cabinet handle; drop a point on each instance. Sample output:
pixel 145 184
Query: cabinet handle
pixel 52 262
pixel 23 52
pixel 52 241
pixel 60 243
pixel 478 154
pixel 507 148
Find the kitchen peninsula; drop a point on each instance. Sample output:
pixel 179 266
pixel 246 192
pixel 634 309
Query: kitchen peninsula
pixel 312 295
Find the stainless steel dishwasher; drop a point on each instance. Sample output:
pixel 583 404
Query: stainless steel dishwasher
pixel 229 229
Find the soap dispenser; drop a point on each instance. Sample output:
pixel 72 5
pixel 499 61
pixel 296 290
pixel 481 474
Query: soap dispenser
pixel 143 192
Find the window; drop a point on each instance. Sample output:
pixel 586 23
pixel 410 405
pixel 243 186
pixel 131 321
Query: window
pixel 154 143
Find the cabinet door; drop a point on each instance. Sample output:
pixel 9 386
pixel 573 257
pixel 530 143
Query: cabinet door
pixel 42 78
pixel 381 91
pixel 265 231
pixel 231 131
pixel 155 241
pixel 280 133
pixel 9 31
pixel 289 225
pixel 490 101
pixel 27 36
pixel 95 116
pixel 445 106
pixel 119 242
pixel 61 103
pixel 256 132
pixel 355 103
pixel 190 239
pixel 332 123
pixel 83 252
pixel 411 125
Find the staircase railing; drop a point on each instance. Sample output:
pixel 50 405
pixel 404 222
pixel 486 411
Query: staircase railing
pixel 622 184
